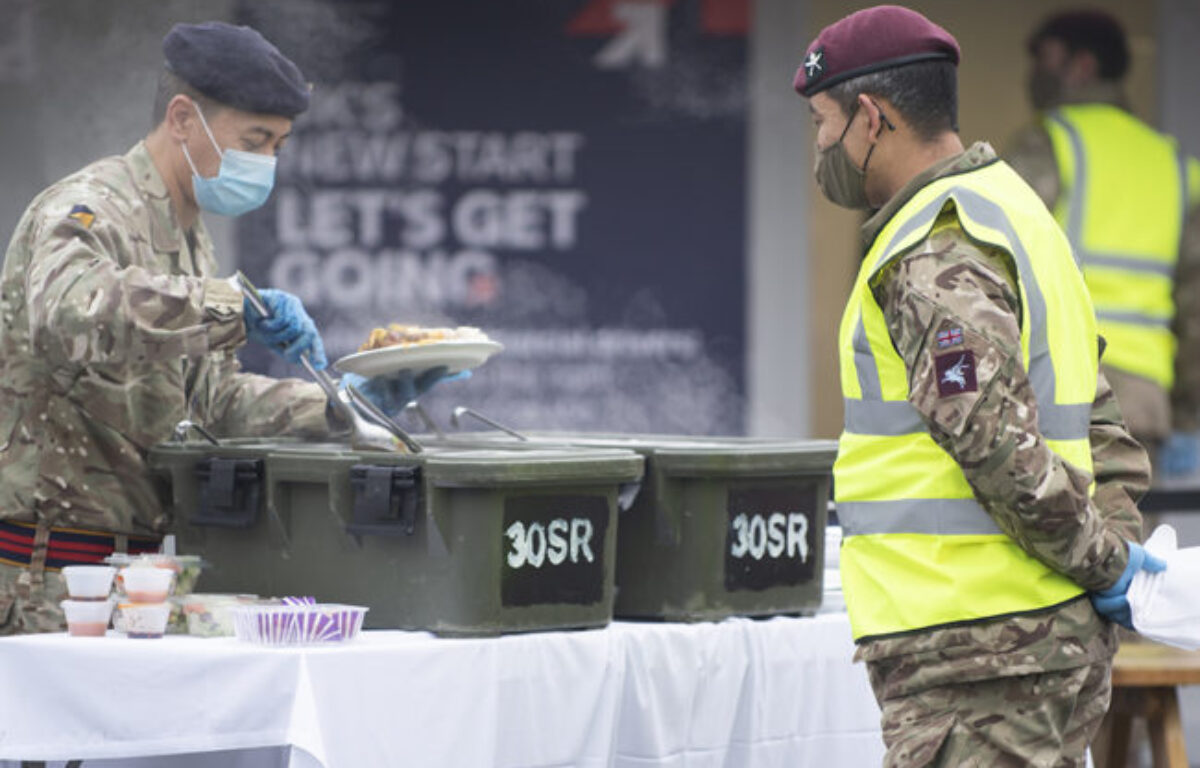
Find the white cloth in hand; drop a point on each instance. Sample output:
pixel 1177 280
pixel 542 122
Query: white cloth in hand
pixel 1164 605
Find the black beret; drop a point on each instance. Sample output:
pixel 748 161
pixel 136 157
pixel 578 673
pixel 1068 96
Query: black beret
pixel 236 66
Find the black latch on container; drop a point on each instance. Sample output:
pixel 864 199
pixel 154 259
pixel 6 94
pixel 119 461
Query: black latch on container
pixel 385 500
pixel 230 492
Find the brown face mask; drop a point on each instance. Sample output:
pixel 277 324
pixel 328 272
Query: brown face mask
pixel 840 180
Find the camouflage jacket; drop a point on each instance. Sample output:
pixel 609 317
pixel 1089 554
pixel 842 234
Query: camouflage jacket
pixel 112 330
pixel 1038 499
pixel 1150 412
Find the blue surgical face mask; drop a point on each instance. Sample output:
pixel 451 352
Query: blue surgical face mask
pixel 242 183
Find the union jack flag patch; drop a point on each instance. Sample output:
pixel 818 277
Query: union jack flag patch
pixel 949 338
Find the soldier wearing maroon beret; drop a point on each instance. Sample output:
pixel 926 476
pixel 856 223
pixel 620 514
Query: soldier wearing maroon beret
pixel 985 483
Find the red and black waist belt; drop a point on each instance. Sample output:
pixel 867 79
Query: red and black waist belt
pixel 68 546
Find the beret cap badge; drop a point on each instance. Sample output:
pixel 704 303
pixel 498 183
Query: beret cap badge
pixel 814 64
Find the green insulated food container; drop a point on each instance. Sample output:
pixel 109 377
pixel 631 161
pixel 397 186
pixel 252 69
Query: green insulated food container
pixel 721 526
pixel 455 541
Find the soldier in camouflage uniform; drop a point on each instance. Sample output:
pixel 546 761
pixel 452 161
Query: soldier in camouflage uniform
pixel 113 327
pixel 1079 60
pixel 1030 688
pixel 1054 666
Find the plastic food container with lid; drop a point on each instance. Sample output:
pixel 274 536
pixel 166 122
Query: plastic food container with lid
pixel 146 583
pixel 458 542
pixel 88 581
pixel 87 618
pixel 144 620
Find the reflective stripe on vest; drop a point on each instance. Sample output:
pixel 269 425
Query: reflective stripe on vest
pixel 1123 202
pixel 919 550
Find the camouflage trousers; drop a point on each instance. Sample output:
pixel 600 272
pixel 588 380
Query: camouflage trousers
pixel 29 605
pixel 1045 720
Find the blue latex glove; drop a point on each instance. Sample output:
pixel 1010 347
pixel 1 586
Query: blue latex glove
pixel 392 392
pixel 289 331
pixel 1111 603
pixel 1180 455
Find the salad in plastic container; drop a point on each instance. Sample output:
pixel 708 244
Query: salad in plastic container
pixel 211 615
pixel 297 621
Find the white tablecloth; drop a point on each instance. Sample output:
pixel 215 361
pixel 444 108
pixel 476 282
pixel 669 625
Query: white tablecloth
pixel 779 692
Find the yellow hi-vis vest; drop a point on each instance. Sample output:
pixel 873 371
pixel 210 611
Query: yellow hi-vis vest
pixel 1123 202
pixel 918 550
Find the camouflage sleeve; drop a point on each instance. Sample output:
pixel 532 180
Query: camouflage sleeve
pixel 1185 395
pixel 1120 465
pixel 87 306
pixel 248 405
pixel 1031 155
pixel 948 302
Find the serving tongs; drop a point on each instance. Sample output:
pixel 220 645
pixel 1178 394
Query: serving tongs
pixel 360 412
pixel 182 429
pixel 462 410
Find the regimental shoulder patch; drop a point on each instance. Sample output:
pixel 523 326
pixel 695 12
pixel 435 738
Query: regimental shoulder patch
pixel 955 373
pixel 83 215
pixel 949 337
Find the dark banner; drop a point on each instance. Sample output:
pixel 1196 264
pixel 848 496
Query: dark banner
pixel 567 175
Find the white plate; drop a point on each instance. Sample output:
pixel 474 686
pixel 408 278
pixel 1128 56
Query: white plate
pixel 455 355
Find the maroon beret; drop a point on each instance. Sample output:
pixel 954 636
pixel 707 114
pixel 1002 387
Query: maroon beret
pixel 869 40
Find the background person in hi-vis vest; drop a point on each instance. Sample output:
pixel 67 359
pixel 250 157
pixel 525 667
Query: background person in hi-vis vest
pixel 985 482
pixel 1128 199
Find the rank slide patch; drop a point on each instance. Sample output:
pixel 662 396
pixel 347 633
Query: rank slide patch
pixel 83 215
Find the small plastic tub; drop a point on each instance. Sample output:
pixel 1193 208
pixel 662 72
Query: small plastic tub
pixel 147 584
pixel 89 581
pixel 87 618
pixel 144 620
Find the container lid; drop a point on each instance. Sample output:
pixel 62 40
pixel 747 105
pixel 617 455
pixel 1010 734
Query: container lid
pixel 498 466
pixel 261 448
pixel 241 447
pixel 684 455
pixel 456 466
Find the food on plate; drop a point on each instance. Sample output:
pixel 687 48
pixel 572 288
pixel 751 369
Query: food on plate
pixel 413 335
